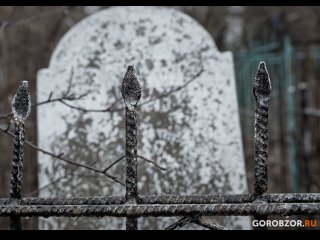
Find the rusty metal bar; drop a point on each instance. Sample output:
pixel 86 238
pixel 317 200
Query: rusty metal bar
pixel 165 210
pixel 172 199
pixel 230 198
pixel 21 106
pixel 196 199
pixel 261 92
pixel 131 93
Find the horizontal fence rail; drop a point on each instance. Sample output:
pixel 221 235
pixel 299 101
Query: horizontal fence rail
pixel 260 204
pixel 165 210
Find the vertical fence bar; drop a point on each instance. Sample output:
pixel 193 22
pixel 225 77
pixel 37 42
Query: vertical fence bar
pixel 131 93
pixel 261 92
pixel 21 106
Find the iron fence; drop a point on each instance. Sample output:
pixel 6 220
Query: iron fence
pixel 260 204
pixel 294 111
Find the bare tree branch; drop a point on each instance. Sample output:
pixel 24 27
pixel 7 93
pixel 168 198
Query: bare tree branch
pixel 49 100
pixel 108 109
pixel 111 109
pixel 76 167
pixel 154 163
pixel 143 158
pixel 66 175
pixel 114 163
pixel 67 95
pixel 209 225
pixel 49 184
pixel 197 219
pixel 181 222
pixel 59 157
pixel 71 97
pixel 173 90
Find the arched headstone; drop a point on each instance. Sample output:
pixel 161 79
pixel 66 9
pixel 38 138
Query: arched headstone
pixel 188 119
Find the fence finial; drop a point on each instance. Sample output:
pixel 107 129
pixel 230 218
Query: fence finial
pixel 21 107
pixel 262 83
pixel 261 91
pixel 21 103
pixel 131 88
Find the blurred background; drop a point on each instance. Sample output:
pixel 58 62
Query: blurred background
pixel 286 38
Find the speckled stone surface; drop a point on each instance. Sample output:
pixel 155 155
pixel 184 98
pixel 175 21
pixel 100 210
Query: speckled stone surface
pixel 194 132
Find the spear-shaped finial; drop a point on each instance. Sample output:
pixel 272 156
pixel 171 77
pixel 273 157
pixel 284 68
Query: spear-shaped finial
pixel 131 88
pixel 21 107
pixel 262 83
pixel 21 103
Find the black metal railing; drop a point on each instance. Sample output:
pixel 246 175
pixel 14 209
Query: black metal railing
pixel 260 204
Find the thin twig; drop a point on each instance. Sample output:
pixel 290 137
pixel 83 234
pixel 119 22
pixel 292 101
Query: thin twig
pixel 59 156
pixel 67 97
pixel 114 163
pixel 109 109
pixel 66 175
pixel 141 157
pixel 206 224
pixel 154 163
pixel 49 100
pixel 173 90
pixel 69 83
pixel 48 185
pixel 104 171
pixel 181 222
pixel 8 127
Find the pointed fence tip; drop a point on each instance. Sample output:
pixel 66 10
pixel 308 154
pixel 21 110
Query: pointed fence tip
pixel 262 83
pixel 25 83
pixel 131 87
pixel 130 69
pixel 262 69
pixel 262 65
pixel 21 103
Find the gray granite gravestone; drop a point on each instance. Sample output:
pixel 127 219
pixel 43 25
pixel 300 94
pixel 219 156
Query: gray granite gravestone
pixel 188 117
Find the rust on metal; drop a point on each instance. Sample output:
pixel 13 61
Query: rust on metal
pixel 21 107
pixel 131 93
